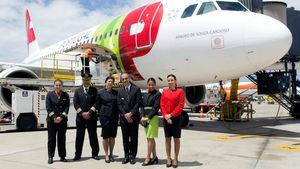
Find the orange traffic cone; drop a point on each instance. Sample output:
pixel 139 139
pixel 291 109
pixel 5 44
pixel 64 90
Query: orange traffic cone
pixel 201 112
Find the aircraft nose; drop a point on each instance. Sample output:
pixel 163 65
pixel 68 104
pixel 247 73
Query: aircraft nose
pixel 266 40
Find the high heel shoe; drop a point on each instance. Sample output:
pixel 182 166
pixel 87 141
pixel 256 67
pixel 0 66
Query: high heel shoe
pixel 107 160
pixel 111 158
pixel 169 164
pixel 154 160
pixel 148 163
pixel 175 165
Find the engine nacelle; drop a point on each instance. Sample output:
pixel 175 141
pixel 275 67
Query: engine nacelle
pixel 194 95
pixel 5 93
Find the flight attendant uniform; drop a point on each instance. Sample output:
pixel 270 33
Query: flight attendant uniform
pixel 57 105
pixel 109 112
pixel 172 102
pixel 150 108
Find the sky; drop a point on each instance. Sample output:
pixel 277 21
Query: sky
pixel 55 20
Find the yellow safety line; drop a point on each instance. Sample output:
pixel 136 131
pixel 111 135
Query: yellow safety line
pixel 288 148
pixel 229 138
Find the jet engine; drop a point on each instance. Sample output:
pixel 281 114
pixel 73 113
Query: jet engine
pixel 6 91
pixel 194 95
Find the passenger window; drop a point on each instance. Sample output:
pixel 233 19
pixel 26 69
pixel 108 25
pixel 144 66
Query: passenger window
pixel 189 11
pixel 116 32
pixel 105 36
pixel 231 6
pixel 95 39
pixel 110 33
pixel 206 7
pixel 100 37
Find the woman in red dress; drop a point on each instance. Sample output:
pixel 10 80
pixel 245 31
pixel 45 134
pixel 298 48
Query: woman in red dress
pixel 171 104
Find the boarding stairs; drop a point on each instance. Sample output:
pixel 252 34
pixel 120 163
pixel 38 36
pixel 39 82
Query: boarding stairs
pixel 282 98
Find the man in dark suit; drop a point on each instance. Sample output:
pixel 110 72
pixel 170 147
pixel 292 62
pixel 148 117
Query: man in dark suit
pixel 129 100
pixel 84 101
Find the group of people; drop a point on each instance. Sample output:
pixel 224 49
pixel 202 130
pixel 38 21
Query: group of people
pixel 127 106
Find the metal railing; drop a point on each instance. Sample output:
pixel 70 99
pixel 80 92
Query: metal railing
pixel 282 98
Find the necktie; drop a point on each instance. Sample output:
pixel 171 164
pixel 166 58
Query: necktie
pixel 85 90
pixel 58 95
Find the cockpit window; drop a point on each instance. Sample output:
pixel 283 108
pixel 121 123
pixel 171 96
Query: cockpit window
pixel 189 11
pixel 206 7
pixel 231 6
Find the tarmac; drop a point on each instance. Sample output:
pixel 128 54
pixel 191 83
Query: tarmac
pixel 207 144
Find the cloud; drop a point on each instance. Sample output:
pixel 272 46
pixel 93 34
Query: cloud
pixel 53 21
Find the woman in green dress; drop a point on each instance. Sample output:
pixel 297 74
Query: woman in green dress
pixel 150 107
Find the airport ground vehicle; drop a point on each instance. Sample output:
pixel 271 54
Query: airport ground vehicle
pixel 28 108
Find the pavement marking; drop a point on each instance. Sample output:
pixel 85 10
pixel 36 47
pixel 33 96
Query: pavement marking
pixel 258 135
pixel 223 138
pixel 289 148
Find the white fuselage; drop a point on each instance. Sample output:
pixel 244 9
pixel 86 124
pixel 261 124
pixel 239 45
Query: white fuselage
pixel 220 45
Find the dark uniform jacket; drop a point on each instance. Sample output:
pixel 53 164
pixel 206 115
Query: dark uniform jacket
pixel 129 102
pixel 84 102
pixel 57 106
pixel 151 104
pixel 107 103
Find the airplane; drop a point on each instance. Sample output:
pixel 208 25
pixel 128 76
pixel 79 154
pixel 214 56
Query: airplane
pixel 245 89
pixel 200 41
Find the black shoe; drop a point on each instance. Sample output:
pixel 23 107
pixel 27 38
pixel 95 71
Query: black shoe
pixel 107 160
pixel 125 160
pixel 132 160
pixel 76 158
pixel 111 158
pixel 50 160
pixel 154 160
pixel 63 159
pixel 175 165
pixel 147 163
pixel 96 157
pixel 169 164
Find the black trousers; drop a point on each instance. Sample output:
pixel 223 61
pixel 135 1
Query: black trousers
pixel 60 130
pixel 130 133
pixel 91 126
pixel 85 65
